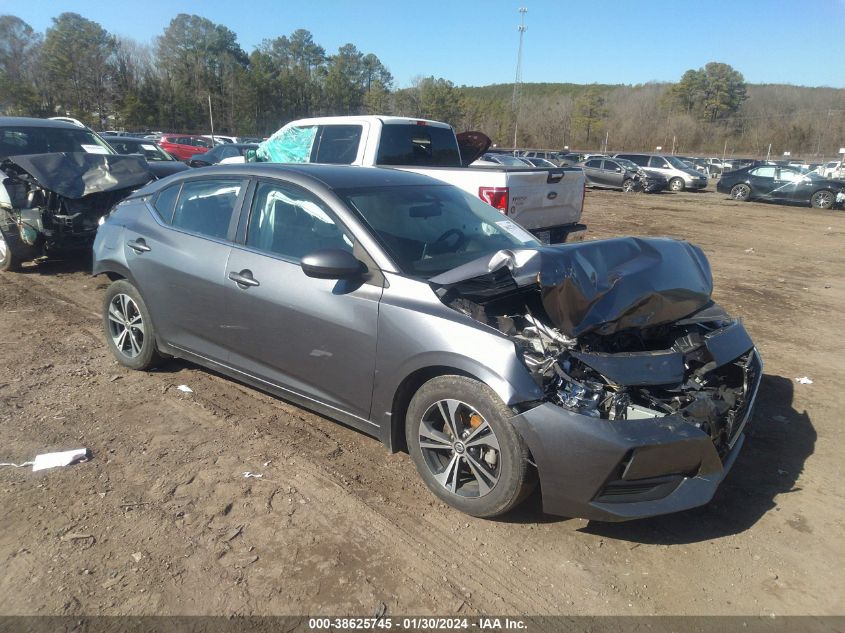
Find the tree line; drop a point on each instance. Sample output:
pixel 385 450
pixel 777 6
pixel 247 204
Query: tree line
pixel 77 68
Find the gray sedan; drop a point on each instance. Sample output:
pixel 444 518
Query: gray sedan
pixel 414 312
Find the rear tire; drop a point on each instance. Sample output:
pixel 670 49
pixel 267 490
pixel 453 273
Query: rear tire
pixel 676 184
pixel 128 327
pixel 464 447
pixel 741 192
pixel 823 199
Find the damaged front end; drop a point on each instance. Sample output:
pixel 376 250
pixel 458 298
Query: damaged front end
pixel 647 383
pixel 53 202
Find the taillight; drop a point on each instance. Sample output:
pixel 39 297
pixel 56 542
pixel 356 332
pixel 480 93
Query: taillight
pixel 496 197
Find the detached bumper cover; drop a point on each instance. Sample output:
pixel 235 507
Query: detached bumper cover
pixel 615 470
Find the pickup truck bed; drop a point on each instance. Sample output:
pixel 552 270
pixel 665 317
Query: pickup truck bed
pixel 547 202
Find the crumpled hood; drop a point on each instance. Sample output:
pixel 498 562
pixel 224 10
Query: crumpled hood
pixel 75 175
pixel 603 285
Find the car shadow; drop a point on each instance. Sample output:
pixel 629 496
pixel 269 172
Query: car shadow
pixel 70 263
pixel 779 439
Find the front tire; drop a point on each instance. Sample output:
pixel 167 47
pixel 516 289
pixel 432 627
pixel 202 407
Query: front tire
pixel 822 200
pixel 465 448
pixel 628 186
pixel 128 327
pixel 676 184
pixel 9 262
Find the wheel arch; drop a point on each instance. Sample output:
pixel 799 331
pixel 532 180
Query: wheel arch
pixel 402 398
pixel 823 190
pixel 114 271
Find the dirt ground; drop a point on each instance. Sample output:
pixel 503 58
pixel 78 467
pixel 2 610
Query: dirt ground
pixel 163 521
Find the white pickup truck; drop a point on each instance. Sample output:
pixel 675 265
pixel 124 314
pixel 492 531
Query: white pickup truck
pixel 547 202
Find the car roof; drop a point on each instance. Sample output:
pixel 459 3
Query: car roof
pixel 331 176
pixel 23 121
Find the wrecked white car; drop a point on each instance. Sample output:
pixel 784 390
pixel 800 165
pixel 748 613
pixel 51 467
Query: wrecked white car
pixel 59 179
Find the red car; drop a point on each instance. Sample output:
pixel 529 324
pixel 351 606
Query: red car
pixel 184 146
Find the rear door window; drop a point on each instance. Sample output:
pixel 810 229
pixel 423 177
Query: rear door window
pixel 424 145
pixel 337 144
pixel 763 172
pixel 594 164
pixel 205 207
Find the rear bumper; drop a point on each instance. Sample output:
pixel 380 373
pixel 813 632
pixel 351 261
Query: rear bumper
pixel 557 234
pixel 625 469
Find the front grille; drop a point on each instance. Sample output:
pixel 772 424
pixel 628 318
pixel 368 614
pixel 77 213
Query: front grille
pixel 738 418
pixel 619 491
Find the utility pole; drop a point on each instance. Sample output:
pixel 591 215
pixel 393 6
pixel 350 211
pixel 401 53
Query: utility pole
pixel 517 82
pixel 211 119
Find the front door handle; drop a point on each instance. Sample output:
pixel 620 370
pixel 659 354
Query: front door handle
pixel 244 279
pixel 139 245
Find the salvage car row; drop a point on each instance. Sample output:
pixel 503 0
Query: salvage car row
pixel 384 295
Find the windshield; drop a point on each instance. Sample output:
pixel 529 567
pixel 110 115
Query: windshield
pixel 429 229
pixel 149 151
pixel 17 141
pixel 508 161
pixel 627 164
pixel 675 162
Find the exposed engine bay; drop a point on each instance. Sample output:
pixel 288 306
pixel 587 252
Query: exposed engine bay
pixel 54 201
pixel 640 338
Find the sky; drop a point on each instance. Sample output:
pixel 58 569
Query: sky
pixel 475 42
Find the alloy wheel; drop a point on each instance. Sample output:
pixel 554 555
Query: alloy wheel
pixel 126 325
pixel 823 200
pixel 4 248
pixel 741 192
pixel 460 448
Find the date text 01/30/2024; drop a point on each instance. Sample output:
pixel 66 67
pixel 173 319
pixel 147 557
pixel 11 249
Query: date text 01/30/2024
pixel 417 623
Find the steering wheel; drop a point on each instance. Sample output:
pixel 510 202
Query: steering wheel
pixel 459 236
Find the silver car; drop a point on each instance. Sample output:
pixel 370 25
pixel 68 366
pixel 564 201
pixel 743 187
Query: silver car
pixel 412 311
pixel 680 175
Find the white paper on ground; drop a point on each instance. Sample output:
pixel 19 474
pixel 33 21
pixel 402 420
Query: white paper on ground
pixel 62 458
pixel 185 388
pixel 804 380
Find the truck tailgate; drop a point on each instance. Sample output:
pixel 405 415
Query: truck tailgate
pixel 545 198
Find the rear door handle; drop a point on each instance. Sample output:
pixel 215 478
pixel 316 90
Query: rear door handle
pixel 244 279
pixel 139 245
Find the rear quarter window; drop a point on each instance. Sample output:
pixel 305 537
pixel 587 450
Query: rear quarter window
pixel 422 145
pixel 165 202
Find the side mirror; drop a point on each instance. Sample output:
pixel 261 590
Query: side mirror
pixel 618 170
pixel 331 263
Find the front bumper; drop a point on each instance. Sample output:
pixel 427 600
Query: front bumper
pixel 616 470
pixel 696 183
